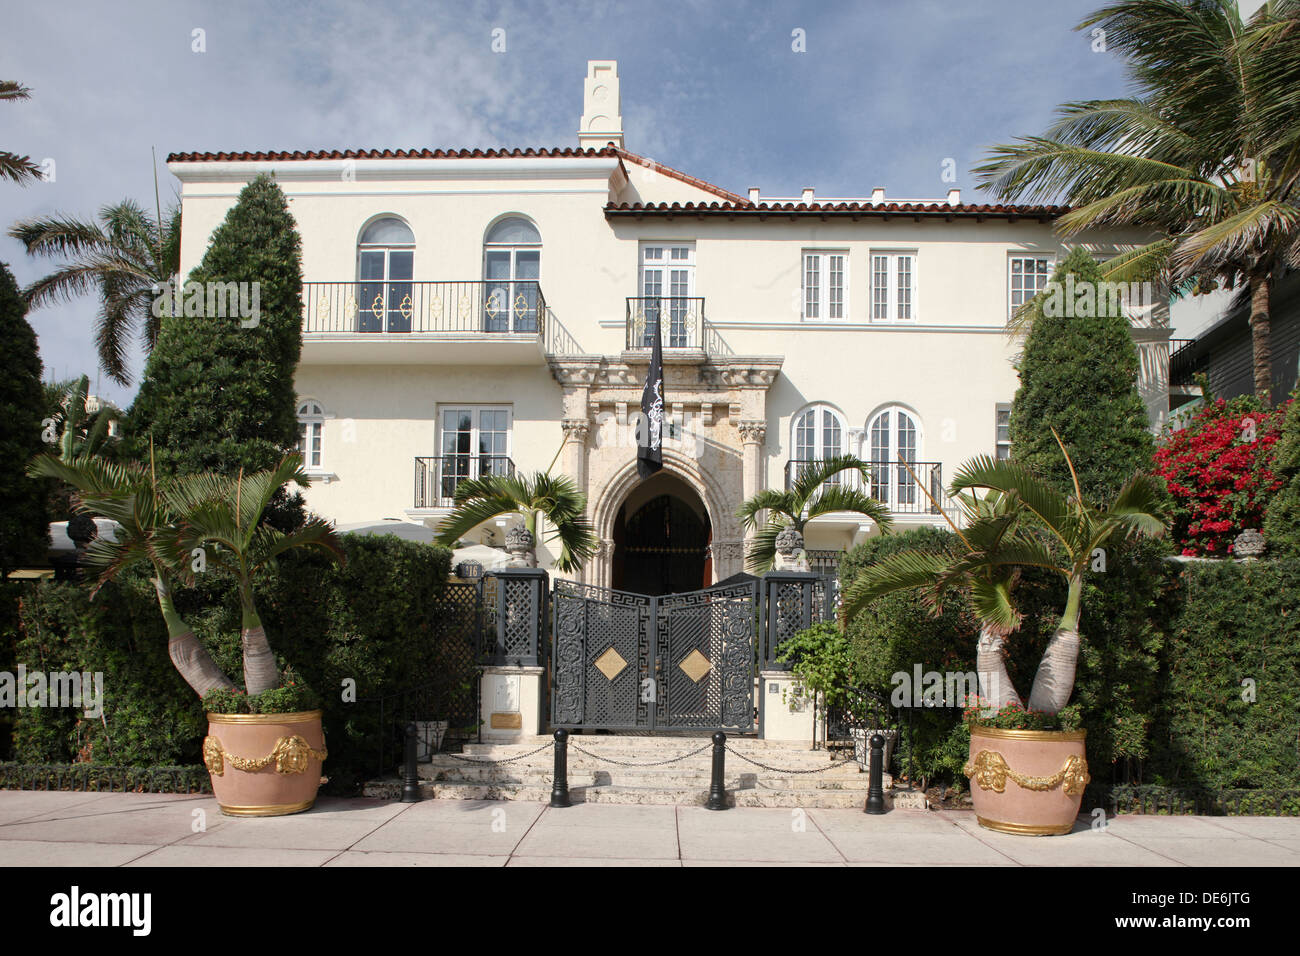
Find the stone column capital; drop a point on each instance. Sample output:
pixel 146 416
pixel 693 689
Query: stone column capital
pixel 752 432
pixel 576 429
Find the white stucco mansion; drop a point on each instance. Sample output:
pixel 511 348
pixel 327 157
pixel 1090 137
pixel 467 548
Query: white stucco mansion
pixel 471 310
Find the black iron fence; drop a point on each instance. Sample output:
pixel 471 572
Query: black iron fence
pixel 889 482
pixel 436 477
pixel 680 319
pixel 489 307
pixel 1184 362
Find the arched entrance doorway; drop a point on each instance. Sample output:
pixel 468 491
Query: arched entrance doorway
pixel 661 539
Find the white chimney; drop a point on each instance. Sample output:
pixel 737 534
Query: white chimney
pixel 878 196
pixel 808 193
pixel 753 194
pixel 602 109
pixel 954 197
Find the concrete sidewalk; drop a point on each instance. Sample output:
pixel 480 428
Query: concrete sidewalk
pixel 87 829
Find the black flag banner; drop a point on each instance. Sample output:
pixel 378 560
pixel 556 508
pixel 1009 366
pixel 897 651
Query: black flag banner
pixel 650 432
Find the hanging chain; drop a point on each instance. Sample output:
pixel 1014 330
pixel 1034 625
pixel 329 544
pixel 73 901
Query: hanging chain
pixel 623 763
pixel 763 766
pixel 485 760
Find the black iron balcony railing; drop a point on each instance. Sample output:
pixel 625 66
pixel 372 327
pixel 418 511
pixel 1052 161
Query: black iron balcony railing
pixel 493 306
pixel 436 478
pixel 886 481
pixel 1184 363
pixel 681 319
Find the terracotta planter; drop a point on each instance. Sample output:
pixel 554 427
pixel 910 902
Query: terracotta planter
pixel 264 765
pixel 1027 781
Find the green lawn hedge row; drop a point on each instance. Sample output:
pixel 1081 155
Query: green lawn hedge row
pixel 374 622
pixel 1166 647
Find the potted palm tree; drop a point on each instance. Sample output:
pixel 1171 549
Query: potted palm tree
pixel 265 744
pixel 539 499
pixel 1027 771
pixel 814 492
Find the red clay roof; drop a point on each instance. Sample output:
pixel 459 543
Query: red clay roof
pixel 286 156
pixel 684 177
pixel 764 209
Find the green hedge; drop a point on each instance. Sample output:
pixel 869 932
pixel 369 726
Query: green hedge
pixel 373 621
pixel 1234 621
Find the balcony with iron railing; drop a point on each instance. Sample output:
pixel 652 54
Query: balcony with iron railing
pixel 889 482
pixel 501 321
pixel 1185 362
pixel 436 477
pixel 679 319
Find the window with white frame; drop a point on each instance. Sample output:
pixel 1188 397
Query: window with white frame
pixel 667 286
pixel 385 264
pixel 474 442
pixel 816 434
pixel 1002 429
pixel 894 439
pixel 512 264
pixel 825 284
pixel 311 429
pixel 1028 277
pixel 893 286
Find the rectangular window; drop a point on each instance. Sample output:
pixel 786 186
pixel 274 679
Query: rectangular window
pixel 667 297
pixel 1002 430
pixel 309 443
pixel 474 442
pixel 893 286
pixel 825 285
pixel 1029 275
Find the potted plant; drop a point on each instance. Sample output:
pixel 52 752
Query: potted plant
pixel 1027 770
pixel 265 744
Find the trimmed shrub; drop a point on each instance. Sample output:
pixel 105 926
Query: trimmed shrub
pixel 374 622
pixel 1078 374
pixel 1236 622
pixel 1219 471
pixel 1282 524
pixel 24 527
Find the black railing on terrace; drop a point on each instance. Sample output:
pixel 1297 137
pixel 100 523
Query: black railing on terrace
pixel 436 478
pixel 886 481
pixel 680 317
pixel 1184 364
pixel 406 306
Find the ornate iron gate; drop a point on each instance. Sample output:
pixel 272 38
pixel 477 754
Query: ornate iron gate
pixel 627 661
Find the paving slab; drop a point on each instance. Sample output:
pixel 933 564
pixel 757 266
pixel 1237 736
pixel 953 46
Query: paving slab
pixel 896 821
pixel 627 842
pixel 1198 851
pixel 118 821
pixel 52 853
pixel 332 825
pixel 232 856
pixel 921 848
pixel 641 816
pixel 535 861
pixel 384 858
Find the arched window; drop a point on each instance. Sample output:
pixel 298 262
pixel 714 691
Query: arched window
pixel 893 437
pixel 512 262
pixel 816 434
pixel 385 268
pixel 311 428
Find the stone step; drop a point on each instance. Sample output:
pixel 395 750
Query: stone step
pixel 600 760
pixel 806 799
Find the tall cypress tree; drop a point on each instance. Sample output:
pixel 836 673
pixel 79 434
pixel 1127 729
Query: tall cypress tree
pixel 1078 374
pixel 1282 523
pixel 218 391
pixel 24 525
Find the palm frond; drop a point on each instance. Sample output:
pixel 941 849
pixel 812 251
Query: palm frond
pixel 906 570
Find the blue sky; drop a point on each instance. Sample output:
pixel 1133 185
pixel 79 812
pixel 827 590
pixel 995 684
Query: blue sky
pixel 884 93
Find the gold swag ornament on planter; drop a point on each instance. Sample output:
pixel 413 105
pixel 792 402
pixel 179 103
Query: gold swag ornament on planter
pixel 1027 781
pixel 264 765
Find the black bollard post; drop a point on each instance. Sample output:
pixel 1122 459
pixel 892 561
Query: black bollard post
pixel 875 785
pixel 411 783
pixel 717 784
pixel 560 788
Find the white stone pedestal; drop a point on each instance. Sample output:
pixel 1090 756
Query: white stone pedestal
pixel 783 713
pixel 511 703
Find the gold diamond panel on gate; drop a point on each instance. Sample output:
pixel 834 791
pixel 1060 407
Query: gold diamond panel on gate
pixel 610 663
pixel 695 665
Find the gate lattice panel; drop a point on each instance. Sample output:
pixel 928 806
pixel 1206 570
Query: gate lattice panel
pixel 627 661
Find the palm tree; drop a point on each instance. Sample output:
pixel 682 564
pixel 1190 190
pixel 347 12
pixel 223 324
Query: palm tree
pixel 83 431
pixel 1206 158
pixel 147 533
pixel 540 497
pixel 223 517
pixel 814 492
pixel 20 169
pixel 1020 522
pixel 125 257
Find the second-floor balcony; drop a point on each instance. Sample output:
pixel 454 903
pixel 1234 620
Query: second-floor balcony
pixel 502 321
pixel 436 478
pixel 678 319
pixel 889 482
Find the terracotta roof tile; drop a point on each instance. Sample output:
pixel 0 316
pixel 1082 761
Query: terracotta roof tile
pixel 839 208
pixel 287 156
